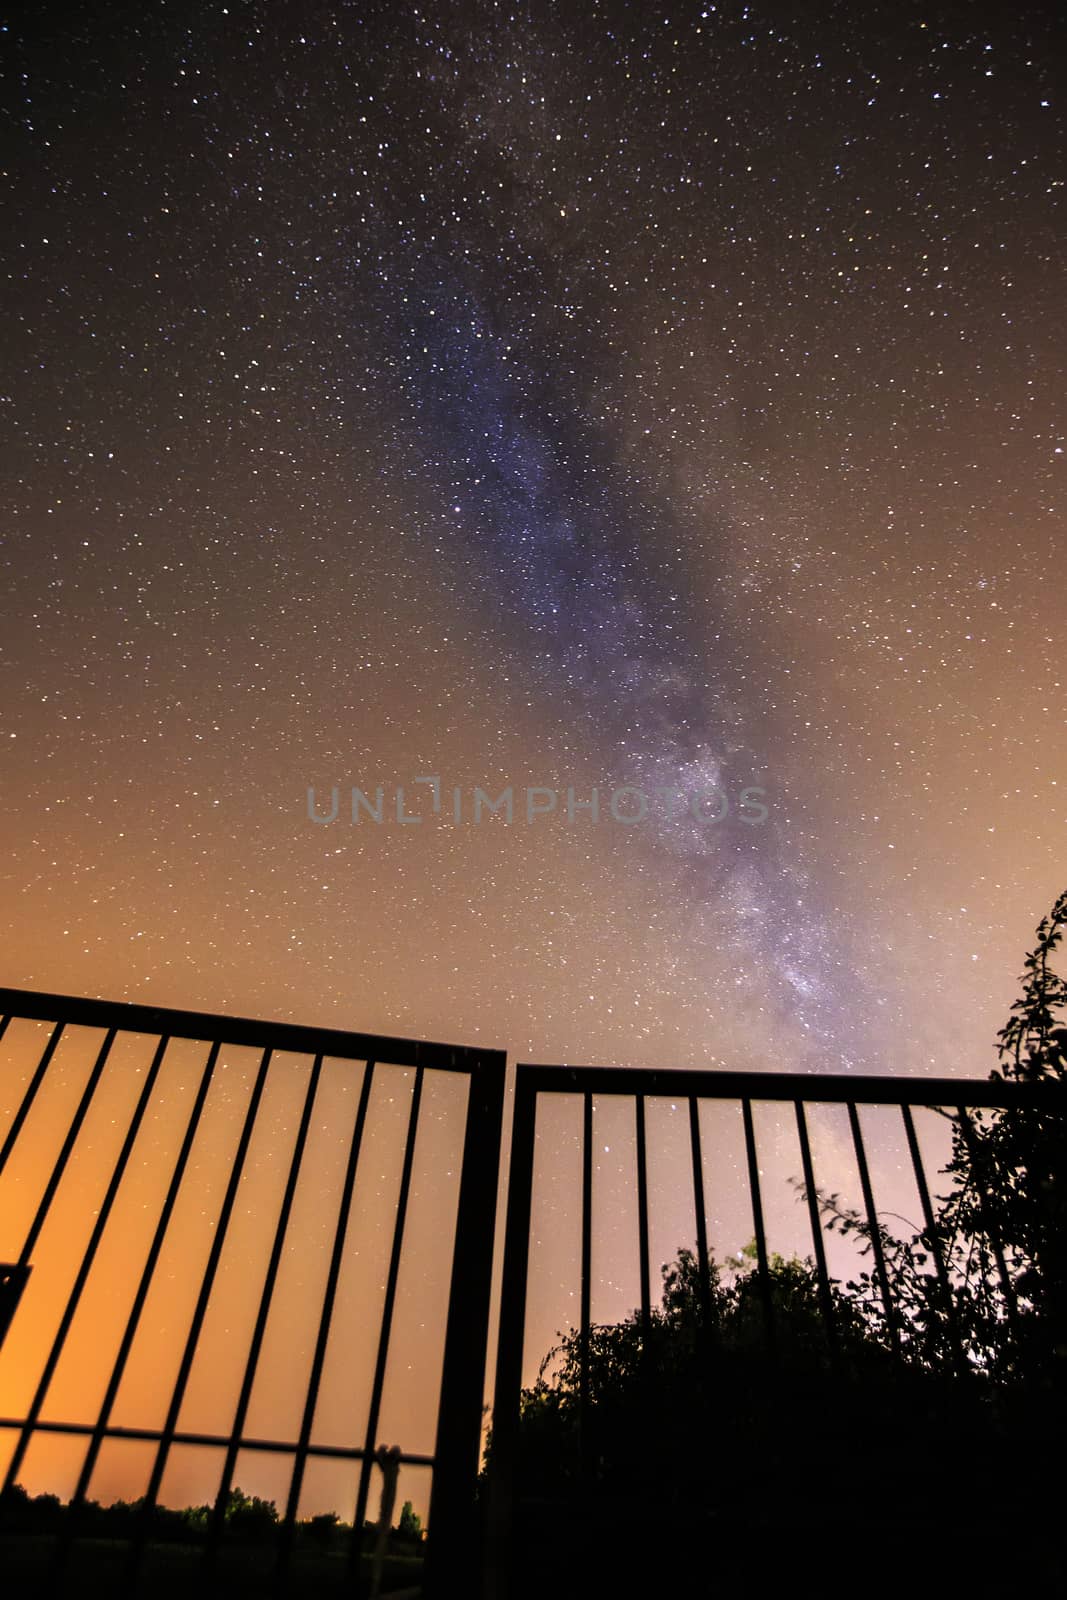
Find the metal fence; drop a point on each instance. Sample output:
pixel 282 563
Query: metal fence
pixel 468 1545
pixel 455 1456
pixel 795 1096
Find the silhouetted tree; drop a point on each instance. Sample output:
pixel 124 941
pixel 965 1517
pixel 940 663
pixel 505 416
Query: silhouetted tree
pixel 409 1526
pixel 322 1528
pixel 249 1515
pixel 986 1288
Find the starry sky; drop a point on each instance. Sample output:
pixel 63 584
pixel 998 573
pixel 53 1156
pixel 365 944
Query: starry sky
pixel 659 399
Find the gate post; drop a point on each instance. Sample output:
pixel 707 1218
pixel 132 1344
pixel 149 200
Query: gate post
pixel 453 1548
pixel 508 1386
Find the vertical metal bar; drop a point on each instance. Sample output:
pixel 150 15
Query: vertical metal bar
pixel 31 1094
pixel 585 1395
pixel 229 1466
pixel 826 1298
pixel 510 1338
pixel 87 1260
pixel 457 1450
pixel 642 1220
pixel 192 1339
pixel 285 1541
pixel 132 1321
pixel 386 1328
pixel 645 1381
pixel 54 1181
pixel 1011 1303
pixel 764 1273
pixel 68 1145
pixel 872 1223
pixel 930 1222
pixel 703 1269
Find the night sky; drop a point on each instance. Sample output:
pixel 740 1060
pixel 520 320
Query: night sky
pixel 616 397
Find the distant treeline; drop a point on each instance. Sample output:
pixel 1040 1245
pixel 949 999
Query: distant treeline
pixel 248 1519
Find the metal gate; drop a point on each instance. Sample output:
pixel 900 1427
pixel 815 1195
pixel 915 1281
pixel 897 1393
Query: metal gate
pixel 401 1073
pixel 469 1549
pixel 633 1093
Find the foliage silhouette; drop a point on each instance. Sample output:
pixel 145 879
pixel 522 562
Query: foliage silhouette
pixel 984 1289
pixel 410 1525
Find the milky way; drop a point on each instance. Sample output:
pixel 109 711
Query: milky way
pixel 648 396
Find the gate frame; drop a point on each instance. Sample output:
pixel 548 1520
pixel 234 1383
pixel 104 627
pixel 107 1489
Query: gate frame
pixel 452 1545
pixel 690 1086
